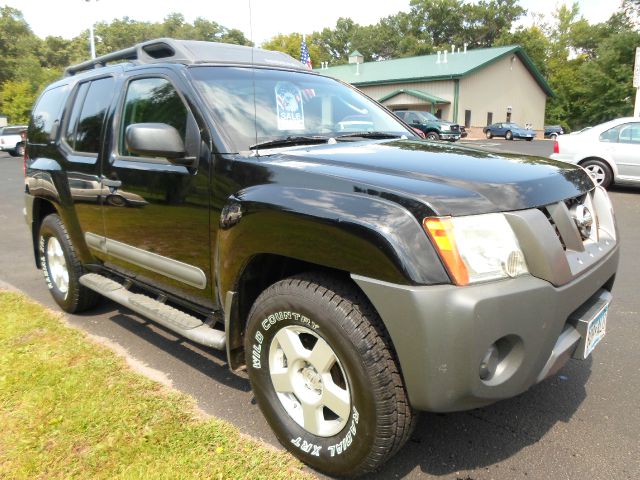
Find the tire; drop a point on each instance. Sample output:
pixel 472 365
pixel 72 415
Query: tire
pixel 62 268
pixel 599 171
pixel 489 135
pixel 528 139
pixel 553 136
pixel 432 136
pixel 351 368
pixel 508 135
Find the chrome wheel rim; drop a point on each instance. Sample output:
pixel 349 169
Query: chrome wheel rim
pixel 309 381
pixel 57 265
pixel 597 173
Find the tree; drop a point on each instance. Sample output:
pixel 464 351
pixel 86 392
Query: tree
pixel 291 43
pixel 16 98
pixel 485 21
pixel 532 40
pixel 439 22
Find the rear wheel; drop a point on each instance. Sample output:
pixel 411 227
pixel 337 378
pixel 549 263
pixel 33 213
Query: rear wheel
pixel 62 268
pixel 508 135
pixel 489 135
pixel 324 375
pixel 599 171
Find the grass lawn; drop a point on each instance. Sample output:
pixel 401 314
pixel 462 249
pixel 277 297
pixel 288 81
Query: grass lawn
pixel 70 408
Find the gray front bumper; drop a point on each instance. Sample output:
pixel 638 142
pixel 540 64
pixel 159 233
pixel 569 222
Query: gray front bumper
pixel 441 333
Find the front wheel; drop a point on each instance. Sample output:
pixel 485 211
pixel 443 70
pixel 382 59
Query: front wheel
pixel 489 135
pixel 508 135
pixel 324 375
pixel 599 171
pixel 433 136
pixel 62 268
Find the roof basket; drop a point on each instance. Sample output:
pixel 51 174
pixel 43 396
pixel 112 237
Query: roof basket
pixel 189 52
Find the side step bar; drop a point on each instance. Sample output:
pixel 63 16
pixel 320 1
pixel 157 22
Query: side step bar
pixel 175 320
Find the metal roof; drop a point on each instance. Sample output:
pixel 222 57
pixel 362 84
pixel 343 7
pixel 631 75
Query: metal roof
pixel 426 67
pixel 415 93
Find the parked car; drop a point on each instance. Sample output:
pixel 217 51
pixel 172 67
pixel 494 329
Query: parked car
pixel 11 140
pixel 356 276
pixel 610 152
pixel 552 131
pixel 433 127
pixel 509 131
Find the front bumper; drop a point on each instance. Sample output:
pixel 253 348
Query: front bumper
pixel 441 333
pixel 449 136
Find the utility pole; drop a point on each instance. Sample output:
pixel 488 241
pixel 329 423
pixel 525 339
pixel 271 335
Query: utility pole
pixel 636 82
pixel 92 41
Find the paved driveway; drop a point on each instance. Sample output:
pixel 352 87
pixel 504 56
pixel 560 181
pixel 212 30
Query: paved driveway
pixel 582 424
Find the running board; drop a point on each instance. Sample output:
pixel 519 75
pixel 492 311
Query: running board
pixel 175 320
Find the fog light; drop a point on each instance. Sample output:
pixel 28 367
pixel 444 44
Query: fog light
pixel 489 363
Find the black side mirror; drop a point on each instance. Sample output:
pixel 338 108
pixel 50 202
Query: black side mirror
pixel 157 140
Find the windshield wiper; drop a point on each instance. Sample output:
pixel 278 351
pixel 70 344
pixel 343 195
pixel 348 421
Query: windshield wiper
pixel 373 135
pixel 289 141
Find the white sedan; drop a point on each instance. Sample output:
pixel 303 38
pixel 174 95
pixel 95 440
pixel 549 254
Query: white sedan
pixel 610 152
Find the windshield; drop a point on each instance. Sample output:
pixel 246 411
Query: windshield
pixel 427 117
pixel 257 106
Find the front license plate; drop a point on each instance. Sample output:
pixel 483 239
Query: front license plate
pixel 596 330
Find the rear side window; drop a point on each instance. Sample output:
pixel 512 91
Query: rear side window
pixel 46 115
pixel 152 100
pixel 85 129
pixel 625 133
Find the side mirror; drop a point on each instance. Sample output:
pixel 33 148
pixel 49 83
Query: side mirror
pixel 157 140
pixel 416 122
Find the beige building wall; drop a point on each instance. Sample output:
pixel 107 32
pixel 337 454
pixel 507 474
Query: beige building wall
pixel 504 83
pixel 442 89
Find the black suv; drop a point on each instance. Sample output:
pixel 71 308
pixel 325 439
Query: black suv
pixel 357 272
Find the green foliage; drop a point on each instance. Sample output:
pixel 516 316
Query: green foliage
pixel 16 98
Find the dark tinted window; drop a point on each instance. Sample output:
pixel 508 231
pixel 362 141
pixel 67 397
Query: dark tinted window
pixel 94 110
pixel 12 130
pixel 46 113
pixel 75 113
pixel 152 100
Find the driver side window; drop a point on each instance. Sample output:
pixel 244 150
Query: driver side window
pixel 152 100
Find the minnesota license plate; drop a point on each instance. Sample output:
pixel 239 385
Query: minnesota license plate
pixel 596 330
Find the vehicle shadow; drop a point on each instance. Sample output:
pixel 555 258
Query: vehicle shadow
pixel 448 443
pixel 211 363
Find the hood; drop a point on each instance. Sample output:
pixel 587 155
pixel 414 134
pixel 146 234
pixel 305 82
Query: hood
pixel 431 178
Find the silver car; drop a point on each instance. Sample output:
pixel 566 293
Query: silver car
pixel 610 152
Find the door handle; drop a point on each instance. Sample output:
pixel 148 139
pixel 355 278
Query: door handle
pixel 111 183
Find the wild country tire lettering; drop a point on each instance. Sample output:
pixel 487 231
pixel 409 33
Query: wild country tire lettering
pixel 267 323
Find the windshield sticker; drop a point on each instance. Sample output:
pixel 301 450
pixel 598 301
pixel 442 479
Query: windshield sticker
pixel 289 104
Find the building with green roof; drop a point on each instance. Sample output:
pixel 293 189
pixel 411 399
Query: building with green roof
pixel 471 87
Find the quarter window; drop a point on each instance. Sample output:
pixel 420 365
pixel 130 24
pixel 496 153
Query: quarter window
pixel 152 100
pixel 86 135
pixel 626 133
pixel 46 114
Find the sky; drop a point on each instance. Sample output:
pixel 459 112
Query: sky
pixel 68 18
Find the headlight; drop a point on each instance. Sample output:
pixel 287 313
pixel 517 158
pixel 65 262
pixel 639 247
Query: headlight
pixel 477 248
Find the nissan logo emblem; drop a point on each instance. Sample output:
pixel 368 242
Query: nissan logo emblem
pixel 584 220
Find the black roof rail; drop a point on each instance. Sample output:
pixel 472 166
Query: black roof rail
pixel 190 52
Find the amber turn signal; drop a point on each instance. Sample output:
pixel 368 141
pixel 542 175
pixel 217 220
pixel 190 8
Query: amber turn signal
pixel 440 230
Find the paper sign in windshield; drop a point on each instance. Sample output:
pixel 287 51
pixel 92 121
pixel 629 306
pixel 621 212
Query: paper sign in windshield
pixel 289 104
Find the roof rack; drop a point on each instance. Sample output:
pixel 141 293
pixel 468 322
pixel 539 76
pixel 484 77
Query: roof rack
pixel 190 52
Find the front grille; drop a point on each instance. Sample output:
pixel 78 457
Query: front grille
pixel 553 225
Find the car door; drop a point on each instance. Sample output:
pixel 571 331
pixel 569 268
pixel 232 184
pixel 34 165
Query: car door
pixel 626 152
pixel 157 212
